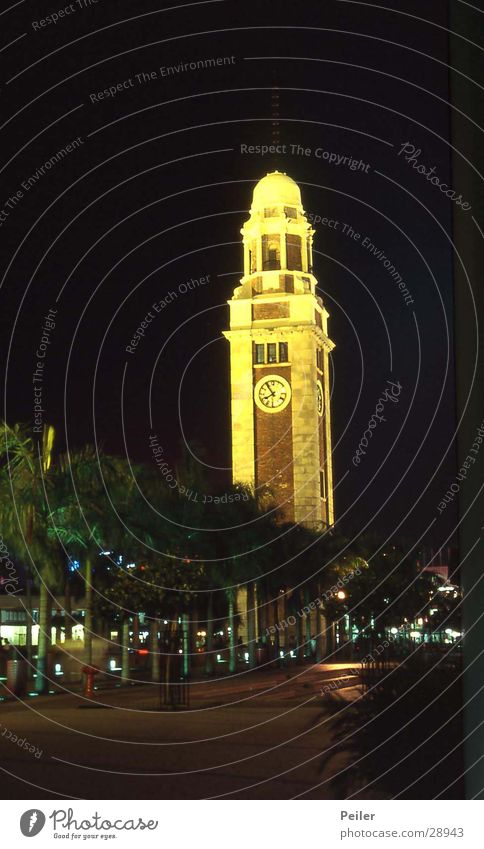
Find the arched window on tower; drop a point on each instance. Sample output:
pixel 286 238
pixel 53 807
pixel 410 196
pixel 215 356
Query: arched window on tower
pixel 271 252
pixel 294 252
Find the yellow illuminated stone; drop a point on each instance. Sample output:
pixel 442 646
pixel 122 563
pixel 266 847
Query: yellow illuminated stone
pixel 276 309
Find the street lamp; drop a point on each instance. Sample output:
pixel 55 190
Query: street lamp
pixel 339 630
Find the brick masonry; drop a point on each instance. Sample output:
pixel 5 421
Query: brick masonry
pixel 262 312
pixel 274 448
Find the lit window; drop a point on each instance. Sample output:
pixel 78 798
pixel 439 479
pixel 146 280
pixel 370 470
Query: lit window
pixel 258 354
pixel 272 352
pixel 283 357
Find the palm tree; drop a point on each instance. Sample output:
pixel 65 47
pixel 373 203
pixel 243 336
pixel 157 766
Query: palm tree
pixel 238 553
pixel 257 532
pixel 26 486
pixel 95 493
pixel 76 520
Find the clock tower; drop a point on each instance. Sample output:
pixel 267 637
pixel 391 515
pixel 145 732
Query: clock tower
pixel 279 361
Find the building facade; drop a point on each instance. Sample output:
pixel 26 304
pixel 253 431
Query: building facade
pixel 279 361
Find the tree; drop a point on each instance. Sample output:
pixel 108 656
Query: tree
pixel 239 555
pixel 390 590
pixel 26 487
pixel 403 738
pixel 83 517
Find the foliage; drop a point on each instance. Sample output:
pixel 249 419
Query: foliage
pixel 391 589
pixel 408 725
pixel 25 491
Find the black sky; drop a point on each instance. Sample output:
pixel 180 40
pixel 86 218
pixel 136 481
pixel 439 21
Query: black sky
pixel 156 194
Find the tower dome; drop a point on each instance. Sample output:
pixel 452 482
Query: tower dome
pixel 276 188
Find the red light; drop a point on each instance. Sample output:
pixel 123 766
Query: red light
pixel 143 651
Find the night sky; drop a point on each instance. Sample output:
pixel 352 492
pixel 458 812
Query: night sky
pixel 155 191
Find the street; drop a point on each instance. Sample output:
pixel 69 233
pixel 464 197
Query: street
pixel 254 736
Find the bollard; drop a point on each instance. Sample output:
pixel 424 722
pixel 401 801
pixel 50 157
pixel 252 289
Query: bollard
pixel 89 672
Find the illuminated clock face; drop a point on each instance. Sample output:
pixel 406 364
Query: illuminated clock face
pixel 272 393
pixel 320 397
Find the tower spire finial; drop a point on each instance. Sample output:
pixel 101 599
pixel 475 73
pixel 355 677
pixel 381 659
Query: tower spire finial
pixel 275 115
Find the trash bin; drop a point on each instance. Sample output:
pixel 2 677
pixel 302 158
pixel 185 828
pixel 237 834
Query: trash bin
pixel 17 677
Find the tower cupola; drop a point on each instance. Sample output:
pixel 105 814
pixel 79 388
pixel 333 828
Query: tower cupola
pixel 277 239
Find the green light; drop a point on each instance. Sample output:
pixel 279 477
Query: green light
pixel 32 694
